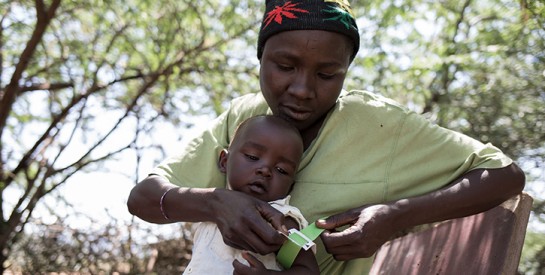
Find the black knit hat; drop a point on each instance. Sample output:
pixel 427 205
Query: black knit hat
pixel 327 15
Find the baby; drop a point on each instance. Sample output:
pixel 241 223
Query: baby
pixel 261 161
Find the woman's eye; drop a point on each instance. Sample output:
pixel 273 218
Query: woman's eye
pixel 326 76
pixel 284 67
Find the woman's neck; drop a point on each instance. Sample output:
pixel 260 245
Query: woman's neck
pixel 310 133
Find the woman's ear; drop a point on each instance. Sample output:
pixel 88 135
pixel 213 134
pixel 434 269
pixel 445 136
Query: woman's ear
pixel 222 161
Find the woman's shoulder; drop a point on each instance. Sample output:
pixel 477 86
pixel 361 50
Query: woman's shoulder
pixel 249 105
pixel 250 100
pixel 365 101
pixel 242 108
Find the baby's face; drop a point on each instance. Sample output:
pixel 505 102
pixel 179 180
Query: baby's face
pixel 262 162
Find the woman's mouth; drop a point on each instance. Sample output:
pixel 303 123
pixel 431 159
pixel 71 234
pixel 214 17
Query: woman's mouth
pixel 297 113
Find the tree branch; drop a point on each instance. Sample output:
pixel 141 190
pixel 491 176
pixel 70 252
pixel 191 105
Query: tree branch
pixel 11 91
pixel 46 86
pixel 443 77
pixel 25 160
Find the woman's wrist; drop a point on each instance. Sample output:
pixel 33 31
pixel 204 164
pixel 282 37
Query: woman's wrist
pixel 162 203
pixel 401 216
pixel 216 200
pixel 187 204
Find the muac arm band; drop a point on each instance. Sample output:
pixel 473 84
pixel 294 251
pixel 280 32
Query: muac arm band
pixel 297 240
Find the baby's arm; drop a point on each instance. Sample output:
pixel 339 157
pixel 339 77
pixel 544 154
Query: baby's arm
pixel 304 263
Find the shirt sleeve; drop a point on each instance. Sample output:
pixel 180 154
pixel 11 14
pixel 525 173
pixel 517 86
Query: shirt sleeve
pixel 432 156
pixel 197 163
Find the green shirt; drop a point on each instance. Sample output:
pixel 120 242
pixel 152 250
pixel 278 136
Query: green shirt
pixel 369 150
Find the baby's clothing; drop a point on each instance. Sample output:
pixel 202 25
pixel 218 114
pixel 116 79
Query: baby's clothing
pixel 212 256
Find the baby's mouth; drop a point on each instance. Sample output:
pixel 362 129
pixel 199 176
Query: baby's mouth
pixel 257 187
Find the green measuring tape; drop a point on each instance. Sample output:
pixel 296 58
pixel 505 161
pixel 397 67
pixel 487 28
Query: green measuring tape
pixel 297 240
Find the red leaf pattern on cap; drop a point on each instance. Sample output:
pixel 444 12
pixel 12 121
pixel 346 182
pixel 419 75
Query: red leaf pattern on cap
pixel 285 10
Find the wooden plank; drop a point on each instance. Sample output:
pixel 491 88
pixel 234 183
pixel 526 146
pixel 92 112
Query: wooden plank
pixel 487 243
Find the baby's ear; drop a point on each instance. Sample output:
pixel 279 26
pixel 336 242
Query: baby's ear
pixel 222 160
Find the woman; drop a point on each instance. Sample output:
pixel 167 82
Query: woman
pixel 370 166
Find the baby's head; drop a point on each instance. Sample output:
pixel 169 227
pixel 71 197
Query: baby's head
pixel 263 157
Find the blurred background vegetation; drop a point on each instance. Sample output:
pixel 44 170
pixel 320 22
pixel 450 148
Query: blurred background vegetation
pixel 87 84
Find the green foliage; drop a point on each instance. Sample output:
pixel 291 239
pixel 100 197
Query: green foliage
pixel 476 67
pixel 83 82
pixel 111 72
pixel 533 254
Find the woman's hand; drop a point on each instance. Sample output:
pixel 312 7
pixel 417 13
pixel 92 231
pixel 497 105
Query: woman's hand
pixel 369 227
pixel 245 222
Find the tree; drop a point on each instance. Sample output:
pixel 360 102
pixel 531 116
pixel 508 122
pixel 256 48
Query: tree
pixel 59 248
pixel 473 66
pixel 65 65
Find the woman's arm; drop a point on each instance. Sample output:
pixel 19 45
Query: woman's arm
pixel 242 219
pixel 373 225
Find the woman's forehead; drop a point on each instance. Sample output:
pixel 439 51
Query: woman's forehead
pixel 332 47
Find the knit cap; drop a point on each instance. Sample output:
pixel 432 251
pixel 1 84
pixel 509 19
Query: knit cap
pixel 328 15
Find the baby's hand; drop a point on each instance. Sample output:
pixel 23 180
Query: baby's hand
pixel 283 230
pixel 256 267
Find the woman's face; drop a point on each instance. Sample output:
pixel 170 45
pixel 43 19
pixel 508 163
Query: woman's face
pixel 302 74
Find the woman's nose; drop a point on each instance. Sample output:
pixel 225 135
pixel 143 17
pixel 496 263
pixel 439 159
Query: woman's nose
pixel 302 86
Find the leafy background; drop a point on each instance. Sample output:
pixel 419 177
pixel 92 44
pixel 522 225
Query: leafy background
pixel 89 86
